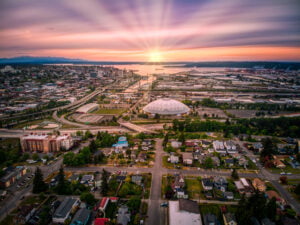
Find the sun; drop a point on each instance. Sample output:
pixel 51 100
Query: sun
pixel 155 56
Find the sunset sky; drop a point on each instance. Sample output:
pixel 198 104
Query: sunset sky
pixel 152 30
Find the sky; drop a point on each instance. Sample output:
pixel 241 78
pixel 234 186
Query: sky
pixel 152 30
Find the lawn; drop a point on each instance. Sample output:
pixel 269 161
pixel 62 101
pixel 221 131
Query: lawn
pixel 194 188
pixel 33 200
pixel 34 122
pixel 109 111
pixel 147 184
pixel 129 189
pixel 290 188
pixel 168 164
pixel 288 169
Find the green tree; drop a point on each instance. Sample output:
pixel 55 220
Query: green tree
pixel 62 186
pixel 134 203
pixel 271 208
pixel 38 182
pixel 35 157
pixel 93 146
pixel 235 174
pixel 88 198
pixel 45 215
pixel 268 147
pixel 181 138
pixel 104 184
pixel 69 159
pixel 297 189
pixel 166 140
pixel 242 214
pixel 208 163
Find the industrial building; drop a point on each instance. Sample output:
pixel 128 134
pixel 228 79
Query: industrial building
pixel 184 212
pixel 88 108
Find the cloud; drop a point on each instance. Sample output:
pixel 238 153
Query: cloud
pixel 141 25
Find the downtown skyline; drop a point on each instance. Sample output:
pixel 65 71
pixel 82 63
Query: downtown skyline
pixel 152 30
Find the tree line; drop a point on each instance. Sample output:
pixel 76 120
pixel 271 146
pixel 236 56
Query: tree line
pixel 283 126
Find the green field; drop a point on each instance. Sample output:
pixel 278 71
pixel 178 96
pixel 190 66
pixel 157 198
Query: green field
pixel 194 188
pixel 109 111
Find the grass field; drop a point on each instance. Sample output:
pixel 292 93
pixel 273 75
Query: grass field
pixel 194 188
pixel 167 164
pixel 110 111
pixel 288 169
pixel 35 122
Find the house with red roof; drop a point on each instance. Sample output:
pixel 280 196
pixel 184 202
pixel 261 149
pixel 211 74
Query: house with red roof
pixel 103 203
pixel 101 221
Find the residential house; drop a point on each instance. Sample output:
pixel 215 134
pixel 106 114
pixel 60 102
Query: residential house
pixel 123 216
pixel 219 147
pixel 243 162
pixel 178 181
pixel 64 210
pixel 142 157
pixel 137 179
pixel 205 143
pixel 187 158
pixel 229 219
pixel 243 187
pixel 103 204
pixel 216 160
pixel 220 183
pixel 81 217
pixel 230 147
pixel 176 144
pixel 196 155
pixel 101 221
pixel 273 194
pixel 207 184
pixel 295 164
pixel 12 175
pixel 87 179
pixel 180 193
pixel 279 164
pixel 259 184
pixel 229 162
pixel 228 195
pixel 257 146
pixel 174 159
pixel 210 219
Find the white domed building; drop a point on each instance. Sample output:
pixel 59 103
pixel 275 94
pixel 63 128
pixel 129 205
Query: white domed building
pixel 166 106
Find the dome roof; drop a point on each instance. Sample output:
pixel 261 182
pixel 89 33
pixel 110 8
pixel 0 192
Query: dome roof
pixel 166 106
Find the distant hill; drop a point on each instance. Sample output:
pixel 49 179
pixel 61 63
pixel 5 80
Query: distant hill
pixel 259 64
pixel 38 60
pixel 226 64
pixel 54 60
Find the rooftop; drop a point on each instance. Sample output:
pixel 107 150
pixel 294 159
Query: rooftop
pixel 166 106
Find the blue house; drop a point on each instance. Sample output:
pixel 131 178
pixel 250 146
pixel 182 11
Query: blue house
pixel 81 217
